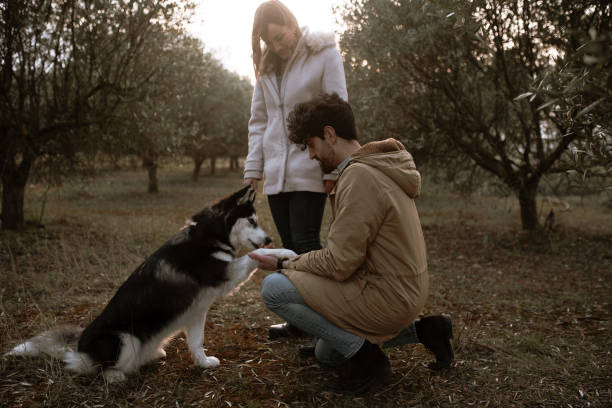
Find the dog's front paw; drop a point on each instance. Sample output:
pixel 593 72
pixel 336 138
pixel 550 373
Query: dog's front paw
pixel 207 361
pixel 277 252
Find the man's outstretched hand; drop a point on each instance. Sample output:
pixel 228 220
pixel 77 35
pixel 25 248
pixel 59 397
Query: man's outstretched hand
pixel 266 262
pixel 268 257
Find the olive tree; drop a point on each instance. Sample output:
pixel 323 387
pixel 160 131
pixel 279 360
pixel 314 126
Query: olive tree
pixel 466 82
pixel 66 67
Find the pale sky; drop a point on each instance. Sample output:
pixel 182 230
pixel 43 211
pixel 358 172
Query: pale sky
pixel 225 27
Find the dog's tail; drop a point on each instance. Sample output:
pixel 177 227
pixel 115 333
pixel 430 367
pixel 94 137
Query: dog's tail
pixel 58 343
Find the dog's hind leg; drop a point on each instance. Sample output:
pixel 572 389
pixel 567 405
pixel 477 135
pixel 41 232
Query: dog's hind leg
pixel 157 354
pixel 195 338
pixel 154 355
pixel 113 375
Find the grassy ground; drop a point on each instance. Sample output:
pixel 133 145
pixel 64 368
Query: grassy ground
pixel 532 317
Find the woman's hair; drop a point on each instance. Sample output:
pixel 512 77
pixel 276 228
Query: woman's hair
pixel 275 12
pixel 308 119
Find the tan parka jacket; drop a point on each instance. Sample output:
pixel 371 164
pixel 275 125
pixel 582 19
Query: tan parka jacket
pixel 371 279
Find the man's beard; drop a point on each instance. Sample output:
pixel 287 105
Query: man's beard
pixel 326 166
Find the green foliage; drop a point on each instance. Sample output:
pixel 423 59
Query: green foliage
pixel 218 115
pixel 84 79
pixel 579 88
pixel 454 80
pixel 154 123
pixel 67 67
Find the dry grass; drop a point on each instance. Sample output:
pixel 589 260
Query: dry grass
pixel 532 316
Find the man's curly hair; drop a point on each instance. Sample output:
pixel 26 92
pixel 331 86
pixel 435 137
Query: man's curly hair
pixel 308 119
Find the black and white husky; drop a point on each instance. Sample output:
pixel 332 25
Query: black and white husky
pixel 168 293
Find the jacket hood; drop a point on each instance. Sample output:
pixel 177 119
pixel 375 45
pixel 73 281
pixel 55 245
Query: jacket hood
pixel 392 159
pixel 317 41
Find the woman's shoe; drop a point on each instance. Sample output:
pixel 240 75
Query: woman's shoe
pixel 276 331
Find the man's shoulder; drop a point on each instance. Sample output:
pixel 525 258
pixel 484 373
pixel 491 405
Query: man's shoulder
pixel 356 168
pixel 358 173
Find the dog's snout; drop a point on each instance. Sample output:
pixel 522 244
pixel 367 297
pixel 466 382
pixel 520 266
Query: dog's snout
pixel 267 240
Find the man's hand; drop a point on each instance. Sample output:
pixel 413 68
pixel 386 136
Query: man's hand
pixel 266 262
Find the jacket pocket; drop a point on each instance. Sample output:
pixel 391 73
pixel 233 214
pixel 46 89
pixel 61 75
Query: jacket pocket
pixel 352 288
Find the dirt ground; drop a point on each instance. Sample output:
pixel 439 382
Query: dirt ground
pixel 531 315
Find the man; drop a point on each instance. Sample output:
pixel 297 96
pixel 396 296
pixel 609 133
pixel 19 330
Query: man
pixel 369 285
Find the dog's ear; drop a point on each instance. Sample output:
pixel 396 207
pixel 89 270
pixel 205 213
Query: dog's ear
pixel 240 197
pixel 246 195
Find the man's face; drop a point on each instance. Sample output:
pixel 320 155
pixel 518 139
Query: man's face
pixel 323 152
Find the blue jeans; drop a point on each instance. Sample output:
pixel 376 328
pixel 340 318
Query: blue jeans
pixel 334 345
pixel 297 216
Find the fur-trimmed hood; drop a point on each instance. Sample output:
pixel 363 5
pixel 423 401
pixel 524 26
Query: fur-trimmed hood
pixel 317 41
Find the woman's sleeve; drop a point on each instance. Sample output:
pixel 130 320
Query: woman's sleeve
pixel 333 74
pixel 334 81
pixel 253 165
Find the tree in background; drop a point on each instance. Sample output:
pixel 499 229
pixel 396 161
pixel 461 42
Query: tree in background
pixel 236 115
pixel 218 118
pixel 469 83
pixel 155 125
pixel 580 91
pixel 201 111
pixel 66 67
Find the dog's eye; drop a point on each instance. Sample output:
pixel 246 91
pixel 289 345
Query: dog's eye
pixel 252 222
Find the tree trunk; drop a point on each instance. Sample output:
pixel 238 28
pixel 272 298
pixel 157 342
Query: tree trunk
pixel 151 165
pixel 213 165
pixel 14 180
pixel 197 165
pixel 12 204
pixel 233 163
pixel 527 201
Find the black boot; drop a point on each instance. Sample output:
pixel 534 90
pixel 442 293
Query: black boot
pixel 435 333
pixel 277 331
pixel 308 351
pixel 367 368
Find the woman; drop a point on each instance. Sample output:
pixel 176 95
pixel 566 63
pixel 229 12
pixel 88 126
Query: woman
pixel 294 67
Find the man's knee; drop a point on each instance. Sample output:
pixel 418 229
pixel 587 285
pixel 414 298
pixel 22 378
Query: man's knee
pixel 272 289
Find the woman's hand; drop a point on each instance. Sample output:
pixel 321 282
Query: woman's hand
pixel 251 182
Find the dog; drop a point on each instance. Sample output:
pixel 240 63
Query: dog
pixel 170 292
